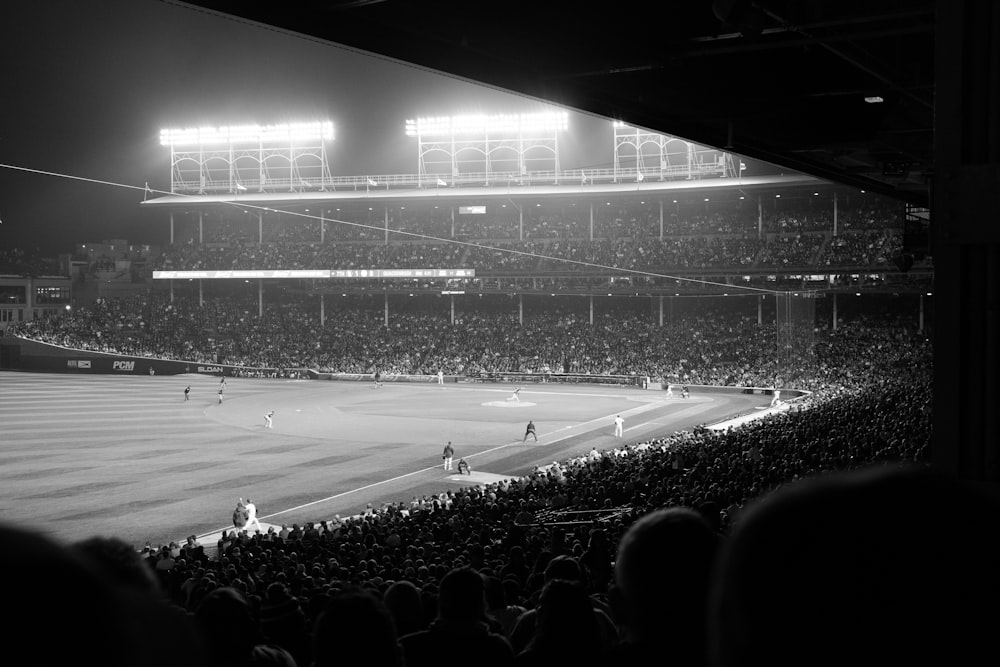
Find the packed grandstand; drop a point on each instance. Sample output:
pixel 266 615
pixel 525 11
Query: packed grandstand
pixel 869 370
pixel 494 572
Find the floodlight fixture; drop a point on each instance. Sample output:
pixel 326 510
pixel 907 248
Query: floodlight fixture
pixel 284 133
pixel 873 99
pixel 480 124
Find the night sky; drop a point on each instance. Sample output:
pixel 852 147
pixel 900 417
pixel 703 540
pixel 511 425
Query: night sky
pixel 87 86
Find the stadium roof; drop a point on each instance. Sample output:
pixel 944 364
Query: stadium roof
pixel 843 90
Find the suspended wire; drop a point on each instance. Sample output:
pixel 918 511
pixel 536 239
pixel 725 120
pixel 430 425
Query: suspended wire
pixel 247 205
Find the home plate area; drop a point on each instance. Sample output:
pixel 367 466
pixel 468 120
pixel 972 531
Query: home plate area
pixel 509 404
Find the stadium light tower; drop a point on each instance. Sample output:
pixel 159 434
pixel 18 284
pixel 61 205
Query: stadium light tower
pixel 263 158
pixel 643 155
pixel 488 148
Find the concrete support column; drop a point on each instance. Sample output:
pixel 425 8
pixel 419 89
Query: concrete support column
pixel 835 214
pixel 965 240
pixel 760 218
pixel 661 221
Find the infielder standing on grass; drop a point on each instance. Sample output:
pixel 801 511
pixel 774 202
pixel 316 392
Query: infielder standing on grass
pixel 619 423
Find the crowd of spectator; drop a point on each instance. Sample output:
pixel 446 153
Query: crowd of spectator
pixel 709 346
pixel 797 234
pixel 676 561
pixel 609 222
pixel 688 253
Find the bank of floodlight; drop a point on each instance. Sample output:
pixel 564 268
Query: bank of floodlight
pixel 248 135
pixel 483 124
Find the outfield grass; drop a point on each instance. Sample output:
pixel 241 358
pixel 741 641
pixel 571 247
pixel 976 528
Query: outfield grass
pixel 127 456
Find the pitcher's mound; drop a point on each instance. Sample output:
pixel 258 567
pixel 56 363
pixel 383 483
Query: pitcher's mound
pixel 508 404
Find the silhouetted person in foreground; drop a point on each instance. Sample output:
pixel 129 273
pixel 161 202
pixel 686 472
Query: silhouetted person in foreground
pixel 882 566
pixel 460 631
pixel 163 629
pixel 61 608
pixel 225 620
pixel 403 601
pixel 566 629
pixel 662 580
pixel 355 628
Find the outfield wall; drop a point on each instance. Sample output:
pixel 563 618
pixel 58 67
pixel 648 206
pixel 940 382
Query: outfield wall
pixel 28 355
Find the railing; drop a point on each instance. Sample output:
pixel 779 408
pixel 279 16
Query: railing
pixel 432 181
pixel 570 517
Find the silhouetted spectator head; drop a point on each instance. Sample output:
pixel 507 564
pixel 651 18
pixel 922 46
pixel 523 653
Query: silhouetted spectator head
pixel 354 629
pixel 563 567
pixel 61 609
pixel 662 578
pixel 403 599
pixel 164 628
pixel 879 566
pixel 495 598
pixel 224 619
pixel 280 612
pixel 566 619
pixel 121 563
pixel 462 596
